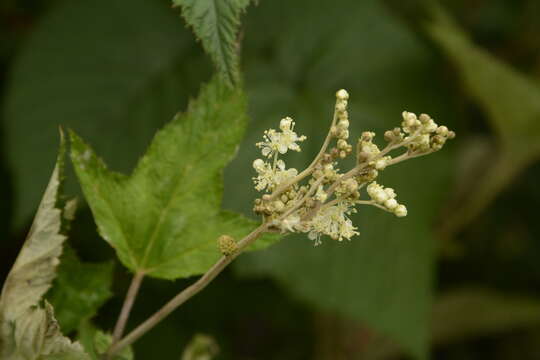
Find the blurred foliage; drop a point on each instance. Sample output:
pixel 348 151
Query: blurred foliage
pixel 28 328
pixel 96 343
pixel 201 347
pixel 113 78
pixel 512 102
pixel 116 71
pixel 80 289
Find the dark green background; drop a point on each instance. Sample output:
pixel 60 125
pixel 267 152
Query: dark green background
pixel 115 71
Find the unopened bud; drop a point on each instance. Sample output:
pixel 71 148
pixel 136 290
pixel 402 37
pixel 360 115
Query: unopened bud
pixel 342 94
pixel 226 244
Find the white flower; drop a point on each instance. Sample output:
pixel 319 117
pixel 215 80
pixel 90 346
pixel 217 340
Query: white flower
pixel 286 123
pixel 269 178
pixel 283 175
pixel 258 164
pixel 279 142
pixel 332 221
pixel 290 223
pixel 321 195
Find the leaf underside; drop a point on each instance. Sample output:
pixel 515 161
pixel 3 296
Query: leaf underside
pixel 28 329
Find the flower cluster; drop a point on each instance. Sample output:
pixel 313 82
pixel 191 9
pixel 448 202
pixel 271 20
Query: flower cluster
pixel 280 141
pixel 386 197
pixel 320 199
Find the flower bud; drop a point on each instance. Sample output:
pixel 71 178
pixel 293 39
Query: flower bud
pixel 391 204
pixel 285 123
pixel 226 244
pixel 258 164
pixel 400 211
pixel 342 94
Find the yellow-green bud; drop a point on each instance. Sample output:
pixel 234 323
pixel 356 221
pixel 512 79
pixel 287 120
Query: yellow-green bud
pixel 226 244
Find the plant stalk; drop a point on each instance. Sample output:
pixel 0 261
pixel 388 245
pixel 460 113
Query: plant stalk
pixel 186 294
pixel 126 307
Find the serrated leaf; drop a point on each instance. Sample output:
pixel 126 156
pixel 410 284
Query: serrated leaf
pixel 216 24
pixel 511 102
pixel 121 77
pixel 97 342
pixel 79 290
pixel 28 329
pixel 165 217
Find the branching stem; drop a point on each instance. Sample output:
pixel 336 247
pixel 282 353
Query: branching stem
pixel 186 294
pixel 126 307
pixel 307 171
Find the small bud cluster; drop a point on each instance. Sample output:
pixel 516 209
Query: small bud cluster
pixel 226 244
pixel 322 205
pixel 341 130
pixel 424 134
pixel 386 197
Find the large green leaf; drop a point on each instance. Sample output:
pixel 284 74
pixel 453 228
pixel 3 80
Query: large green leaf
pixel 216 24
pixel 79 290
pixel 383 277
pixel 165 218
pixel 113 70
pixel 28 329
pixel 511 102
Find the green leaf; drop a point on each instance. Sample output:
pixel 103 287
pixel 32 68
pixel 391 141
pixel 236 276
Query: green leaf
pixel 384 277
pixel 28 329
pixel 511 102
pixel 216 24
pixel 96 343
pixel 114 80
pixel 165 218
pixel 79 290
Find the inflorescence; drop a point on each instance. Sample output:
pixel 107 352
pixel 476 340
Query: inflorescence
pixel 322 204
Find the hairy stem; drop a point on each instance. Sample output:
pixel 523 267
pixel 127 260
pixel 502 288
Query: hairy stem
pixel 187 293
pixel 126 307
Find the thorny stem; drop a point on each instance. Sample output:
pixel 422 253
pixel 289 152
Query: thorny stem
pixel 187 293
pixel 126 307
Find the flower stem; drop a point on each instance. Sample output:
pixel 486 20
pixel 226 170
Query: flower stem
pixel 186 294
pixel 126 307
pixel 307 171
